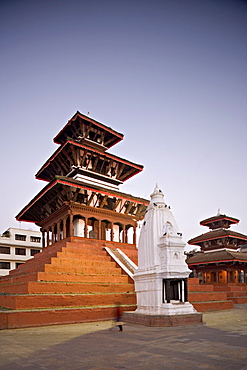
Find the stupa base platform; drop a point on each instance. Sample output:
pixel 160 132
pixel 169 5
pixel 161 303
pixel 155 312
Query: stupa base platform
pixel 162 320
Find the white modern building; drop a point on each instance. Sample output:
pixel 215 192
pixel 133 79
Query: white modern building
pixel 18 246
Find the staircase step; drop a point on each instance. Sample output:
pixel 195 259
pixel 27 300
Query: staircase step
pixel 206 296
pixel 231 288
pixel 63 261
pixel 235 294
pixel 65 277
pixel 18 279
pixel 81 255
pixel 76 277
pixel 82 269
pixel 239 300
pixel 61 287
pixel 213 306
pixel 193 281
pixel 32 318
pixel 32 301
pixel 200 288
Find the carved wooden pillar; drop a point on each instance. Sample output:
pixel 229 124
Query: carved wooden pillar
pixel 85 228
pixel 58 231
pixel 43 238
pixel 52 234
pixel 112 232
pixel 124 234
pixel 217 276
pixel 100 231
pixel 64 229
pixel 134 234
pixel 47 237
pixel 71 226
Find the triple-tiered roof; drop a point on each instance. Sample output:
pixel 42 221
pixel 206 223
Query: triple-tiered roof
pixel 219 260
pixel 220 236
pixel 82 171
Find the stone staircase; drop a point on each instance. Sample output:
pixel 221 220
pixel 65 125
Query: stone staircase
pixel 78 280
pixel 122 260
pixel 205 298
pixel 236 292
pixel 74 280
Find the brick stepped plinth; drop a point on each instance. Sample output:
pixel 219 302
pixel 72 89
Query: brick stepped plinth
pixel 74 280
pixel 204 298
pixel 236 292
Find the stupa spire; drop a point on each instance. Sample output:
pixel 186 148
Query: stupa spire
pixel 157 195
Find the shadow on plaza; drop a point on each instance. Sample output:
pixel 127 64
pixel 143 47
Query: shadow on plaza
pixel 139 347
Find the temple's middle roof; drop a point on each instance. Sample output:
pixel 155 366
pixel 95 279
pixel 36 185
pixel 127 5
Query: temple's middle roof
pixel 66 156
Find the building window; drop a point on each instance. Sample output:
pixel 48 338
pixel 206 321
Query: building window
pixel 18 264
pixel 20 237
pixel 5 265
pixel 5 250
pixel 20 251
pixel 6 234
pixel 34 251
pixel 35 239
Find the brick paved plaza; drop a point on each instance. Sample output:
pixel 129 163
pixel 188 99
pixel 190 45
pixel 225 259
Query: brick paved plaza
pixel 221 343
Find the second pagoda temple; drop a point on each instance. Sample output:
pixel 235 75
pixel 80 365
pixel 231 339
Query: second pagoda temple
pixel 220 261
pixel 82 197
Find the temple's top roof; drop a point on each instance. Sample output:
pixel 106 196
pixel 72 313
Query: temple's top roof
pixel 217 234
pixel 85 128
pixel 219 221
pixel 217 256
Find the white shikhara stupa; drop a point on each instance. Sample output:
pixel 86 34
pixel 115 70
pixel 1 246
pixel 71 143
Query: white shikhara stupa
pixel 161 277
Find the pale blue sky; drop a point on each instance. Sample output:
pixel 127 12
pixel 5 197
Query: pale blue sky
pixel 170 75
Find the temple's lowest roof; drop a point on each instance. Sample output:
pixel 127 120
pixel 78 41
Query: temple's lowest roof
pixel 63 189
pixel 216 257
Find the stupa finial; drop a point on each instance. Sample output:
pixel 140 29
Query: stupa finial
pixel 156 189
pixel 157 195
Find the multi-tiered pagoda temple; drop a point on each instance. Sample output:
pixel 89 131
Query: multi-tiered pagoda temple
pixel 88 233
pixel 82 197
pixel 219 262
